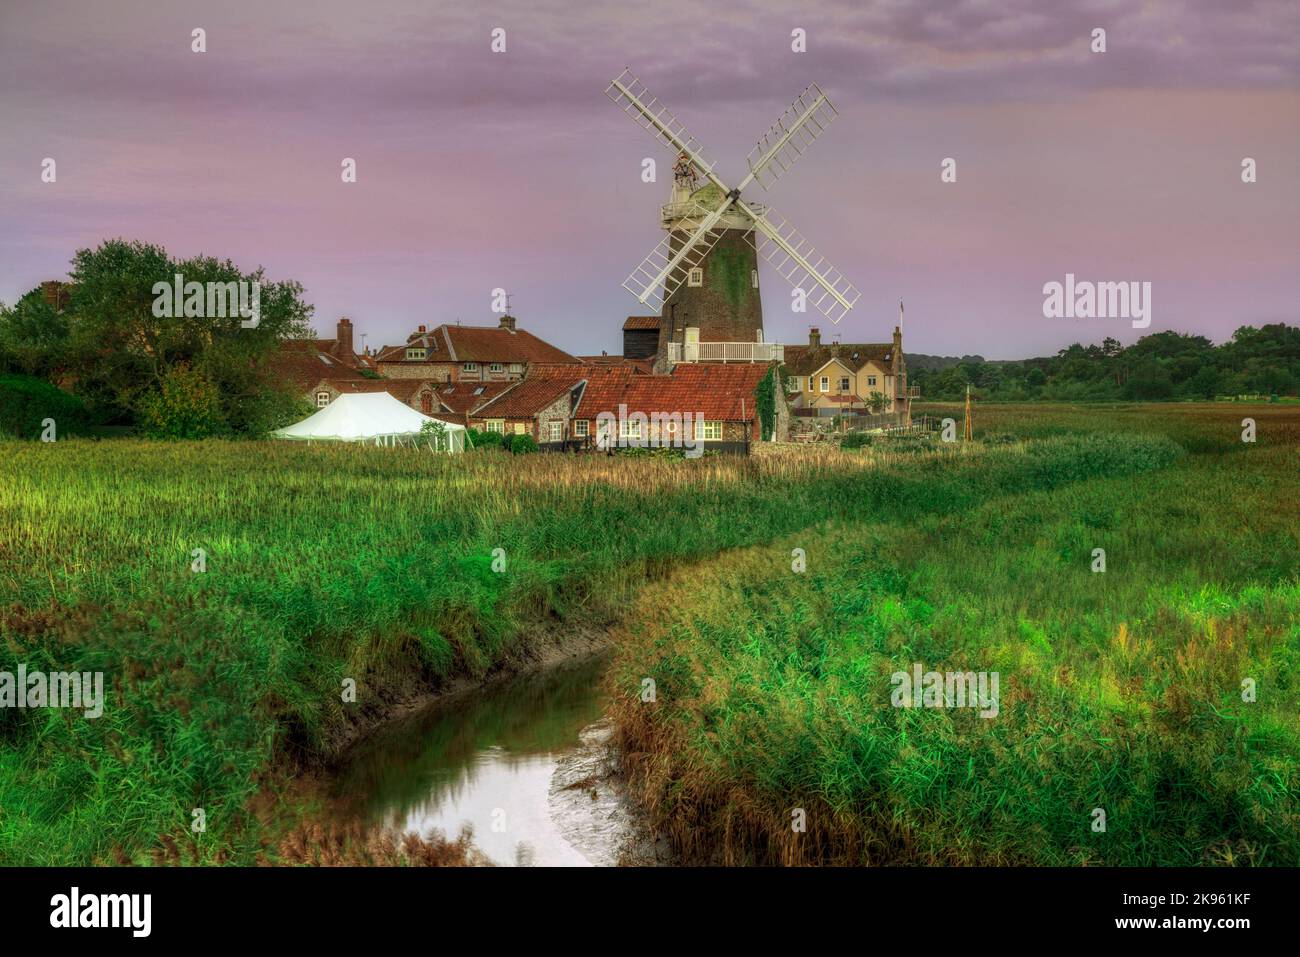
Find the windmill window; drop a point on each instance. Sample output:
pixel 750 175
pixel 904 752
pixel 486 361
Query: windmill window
pixel 322 399
pixel 753 278
pixel 695 277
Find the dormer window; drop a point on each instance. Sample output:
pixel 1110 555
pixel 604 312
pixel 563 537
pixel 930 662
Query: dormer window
pixel 695 277
pixel 496 367
pixel 516 368
pixel 415 352
pixel 469 367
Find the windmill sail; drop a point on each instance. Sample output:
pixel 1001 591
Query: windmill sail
pixel 782 245
pixel 790 136
pixel 660 274
pixel 635 99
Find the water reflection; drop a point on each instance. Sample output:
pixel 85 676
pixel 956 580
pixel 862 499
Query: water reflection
pixel 484 758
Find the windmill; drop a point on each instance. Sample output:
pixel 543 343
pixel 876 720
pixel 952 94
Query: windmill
pixel 705 223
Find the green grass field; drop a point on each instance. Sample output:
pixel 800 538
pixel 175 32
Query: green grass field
pixel 329 563
pixel 1119 690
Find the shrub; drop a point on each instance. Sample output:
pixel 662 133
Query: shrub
pixel 25 402
pixel 485 440
pixel 522 444
pixel 187 406
pixel 855 440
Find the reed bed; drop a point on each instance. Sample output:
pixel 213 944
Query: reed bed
pixel 1120 691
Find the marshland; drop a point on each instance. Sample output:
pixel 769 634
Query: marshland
pixel 407 576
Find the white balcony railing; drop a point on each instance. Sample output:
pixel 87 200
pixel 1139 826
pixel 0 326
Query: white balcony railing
pixel 726 352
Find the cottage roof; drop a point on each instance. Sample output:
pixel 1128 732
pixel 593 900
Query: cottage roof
pixel 448 343
pixel 807 360
pixel 725 392
pixel 526 398
pixel 465 397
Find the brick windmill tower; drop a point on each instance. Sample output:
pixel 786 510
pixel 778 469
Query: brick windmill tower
pixel 720 296
pixel 703 275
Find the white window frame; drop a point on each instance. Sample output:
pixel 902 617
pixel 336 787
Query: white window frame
pixel 753 278
pixel 629 429
pixel 322 394
pixel 825 383
pixel 516 367
pixel 695 276
pixel 469 367
pixel 415 353
pixel 845 383
pixel 496 367
pixel 709 430
pixel 871 380
pixel 496 425
pixel 521 428
pixel 555 430
pixel 579 428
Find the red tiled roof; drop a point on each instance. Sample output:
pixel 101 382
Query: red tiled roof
pixel 715 391
pixel 463 397
pixel 641 322
pixel 526 398
pixel 401 389
pixel 302 364
pixel 805 360
pixel 640 365
pixel 449 343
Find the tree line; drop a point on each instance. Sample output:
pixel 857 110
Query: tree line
pixel 1262 361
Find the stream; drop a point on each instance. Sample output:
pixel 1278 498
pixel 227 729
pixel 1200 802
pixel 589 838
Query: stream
pixel 523 761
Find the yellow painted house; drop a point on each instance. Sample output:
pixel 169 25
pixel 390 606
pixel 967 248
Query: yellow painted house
pixel 860 378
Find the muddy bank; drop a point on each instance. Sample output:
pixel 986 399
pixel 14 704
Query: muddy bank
pixel 540 647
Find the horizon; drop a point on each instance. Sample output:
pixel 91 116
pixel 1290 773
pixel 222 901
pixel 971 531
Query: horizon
pixel 479 170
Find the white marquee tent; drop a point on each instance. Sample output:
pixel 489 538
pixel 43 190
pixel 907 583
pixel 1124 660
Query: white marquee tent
pixel 372 417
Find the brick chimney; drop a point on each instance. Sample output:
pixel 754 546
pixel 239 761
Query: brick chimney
pixel 344 337
pixel 55 294
pixel 814 337
pixel 508 322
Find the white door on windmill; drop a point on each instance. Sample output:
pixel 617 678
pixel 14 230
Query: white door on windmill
pixel 691 350
pixel 661 273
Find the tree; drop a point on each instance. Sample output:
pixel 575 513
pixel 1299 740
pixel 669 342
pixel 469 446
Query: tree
pixel 33 338
pixel 122 353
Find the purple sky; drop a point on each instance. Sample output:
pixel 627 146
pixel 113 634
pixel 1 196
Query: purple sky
pixel 479 170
